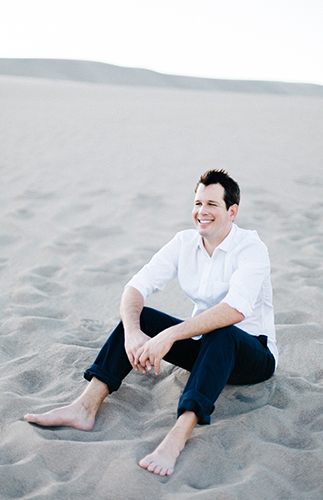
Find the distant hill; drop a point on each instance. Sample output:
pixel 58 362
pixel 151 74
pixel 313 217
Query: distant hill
pixel 96 72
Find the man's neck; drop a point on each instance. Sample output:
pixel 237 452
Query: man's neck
pixel 211 245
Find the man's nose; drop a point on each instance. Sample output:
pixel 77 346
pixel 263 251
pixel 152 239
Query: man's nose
pixel 203 209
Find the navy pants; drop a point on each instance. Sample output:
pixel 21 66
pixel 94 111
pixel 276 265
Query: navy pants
pixel 227 355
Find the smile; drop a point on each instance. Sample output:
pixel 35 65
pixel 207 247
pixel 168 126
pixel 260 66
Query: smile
pixel 202 221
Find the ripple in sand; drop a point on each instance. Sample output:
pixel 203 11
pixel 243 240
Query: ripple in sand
pixel 37 194
pixel 25 478
pixel 7 239
pixel 309 180
pixel 46 271
pixel 28 295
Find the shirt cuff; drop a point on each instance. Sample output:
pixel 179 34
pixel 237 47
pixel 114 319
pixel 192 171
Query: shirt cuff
pixel 142 289
pixel 238 302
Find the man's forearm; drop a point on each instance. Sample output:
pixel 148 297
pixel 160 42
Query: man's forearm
pixel 156 348
pixel 216 317
pixel 132 303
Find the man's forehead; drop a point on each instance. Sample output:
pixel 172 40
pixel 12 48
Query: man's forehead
pixel 211 192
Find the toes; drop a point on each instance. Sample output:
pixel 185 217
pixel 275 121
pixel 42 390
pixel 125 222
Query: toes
pixel 162 471
pixel 158 469
pixel 143 463
pixel 152 466
pixel 30 417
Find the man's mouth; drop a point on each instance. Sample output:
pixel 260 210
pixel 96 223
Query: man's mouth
pixel 204 221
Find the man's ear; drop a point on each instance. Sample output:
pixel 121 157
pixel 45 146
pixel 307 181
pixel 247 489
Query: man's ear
pixel 233 211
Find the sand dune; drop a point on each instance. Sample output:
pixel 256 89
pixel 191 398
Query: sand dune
pixel 96 72
pixel 95 178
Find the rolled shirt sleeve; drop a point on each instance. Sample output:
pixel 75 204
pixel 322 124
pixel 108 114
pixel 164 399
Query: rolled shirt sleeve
pixel 161 269
pixel 247 281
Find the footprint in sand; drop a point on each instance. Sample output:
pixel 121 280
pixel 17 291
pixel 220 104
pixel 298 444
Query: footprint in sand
pixel 31 381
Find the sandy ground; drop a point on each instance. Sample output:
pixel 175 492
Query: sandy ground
pixel 94 179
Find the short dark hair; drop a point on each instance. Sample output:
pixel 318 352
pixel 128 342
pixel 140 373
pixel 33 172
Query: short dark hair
pixel 231 187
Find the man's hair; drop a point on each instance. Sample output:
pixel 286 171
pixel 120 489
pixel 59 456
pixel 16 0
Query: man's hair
pixel 231 187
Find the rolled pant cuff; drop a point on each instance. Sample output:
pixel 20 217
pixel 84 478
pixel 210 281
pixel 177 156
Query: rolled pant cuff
pixel 96 371
pixel 198 403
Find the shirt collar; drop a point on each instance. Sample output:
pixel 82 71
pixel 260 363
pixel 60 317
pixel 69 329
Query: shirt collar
pixel 225 244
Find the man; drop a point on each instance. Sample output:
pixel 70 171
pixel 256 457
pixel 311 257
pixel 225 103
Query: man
pixel 225 270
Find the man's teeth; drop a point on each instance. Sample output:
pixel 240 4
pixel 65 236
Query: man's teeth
pixel 205 221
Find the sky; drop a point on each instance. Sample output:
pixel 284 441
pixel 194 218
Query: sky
pixel 278 40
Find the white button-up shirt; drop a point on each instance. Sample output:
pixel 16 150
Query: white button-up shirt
pixel 237 273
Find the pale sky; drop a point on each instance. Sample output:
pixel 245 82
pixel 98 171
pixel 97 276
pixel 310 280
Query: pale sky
pixel 236 39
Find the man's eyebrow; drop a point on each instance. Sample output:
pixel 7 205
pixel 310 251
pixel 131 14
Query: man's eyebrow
pixel 209 201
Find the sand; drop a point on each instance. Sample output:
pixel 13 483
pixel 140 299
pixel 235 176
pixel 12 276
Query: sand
pixel 94 179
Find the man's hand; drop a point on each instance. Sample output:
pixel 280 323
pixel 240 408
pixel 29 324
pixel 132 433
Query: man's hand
pixel 134 341
pixel 152 352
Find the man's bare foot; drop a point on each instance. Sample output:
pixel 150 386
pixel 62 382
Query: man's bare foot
pixel 80 414
pixel 74 415
pixel 162 460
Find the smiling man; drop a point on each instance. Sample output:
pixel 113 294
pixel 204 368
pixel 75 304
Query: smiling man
pixel 225 271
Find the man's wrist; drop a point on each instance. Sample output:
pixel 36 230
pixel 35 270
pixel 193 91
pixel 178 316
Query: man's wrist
pixel 170 334
pixel 128 332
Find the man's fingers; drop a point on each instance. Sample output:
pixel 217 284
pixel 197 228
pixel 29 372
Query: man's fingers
pixel 138 355
pixel 138 366
pixel 143 368
pixel 132 361
pixel 157 366
pixel 148 366
pixel 135 363
pixel 146 361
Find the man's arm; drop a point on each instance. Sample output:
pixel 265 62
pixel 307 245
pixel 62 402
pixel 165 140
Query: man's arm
pixel 218 316
pixel 132 303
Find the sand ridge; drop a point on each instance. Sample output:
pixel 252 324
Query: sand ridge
pixel 109 74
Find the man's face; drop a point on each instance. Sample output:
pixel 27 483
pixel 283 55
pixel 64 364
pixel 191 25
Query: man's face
pixel 212 219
